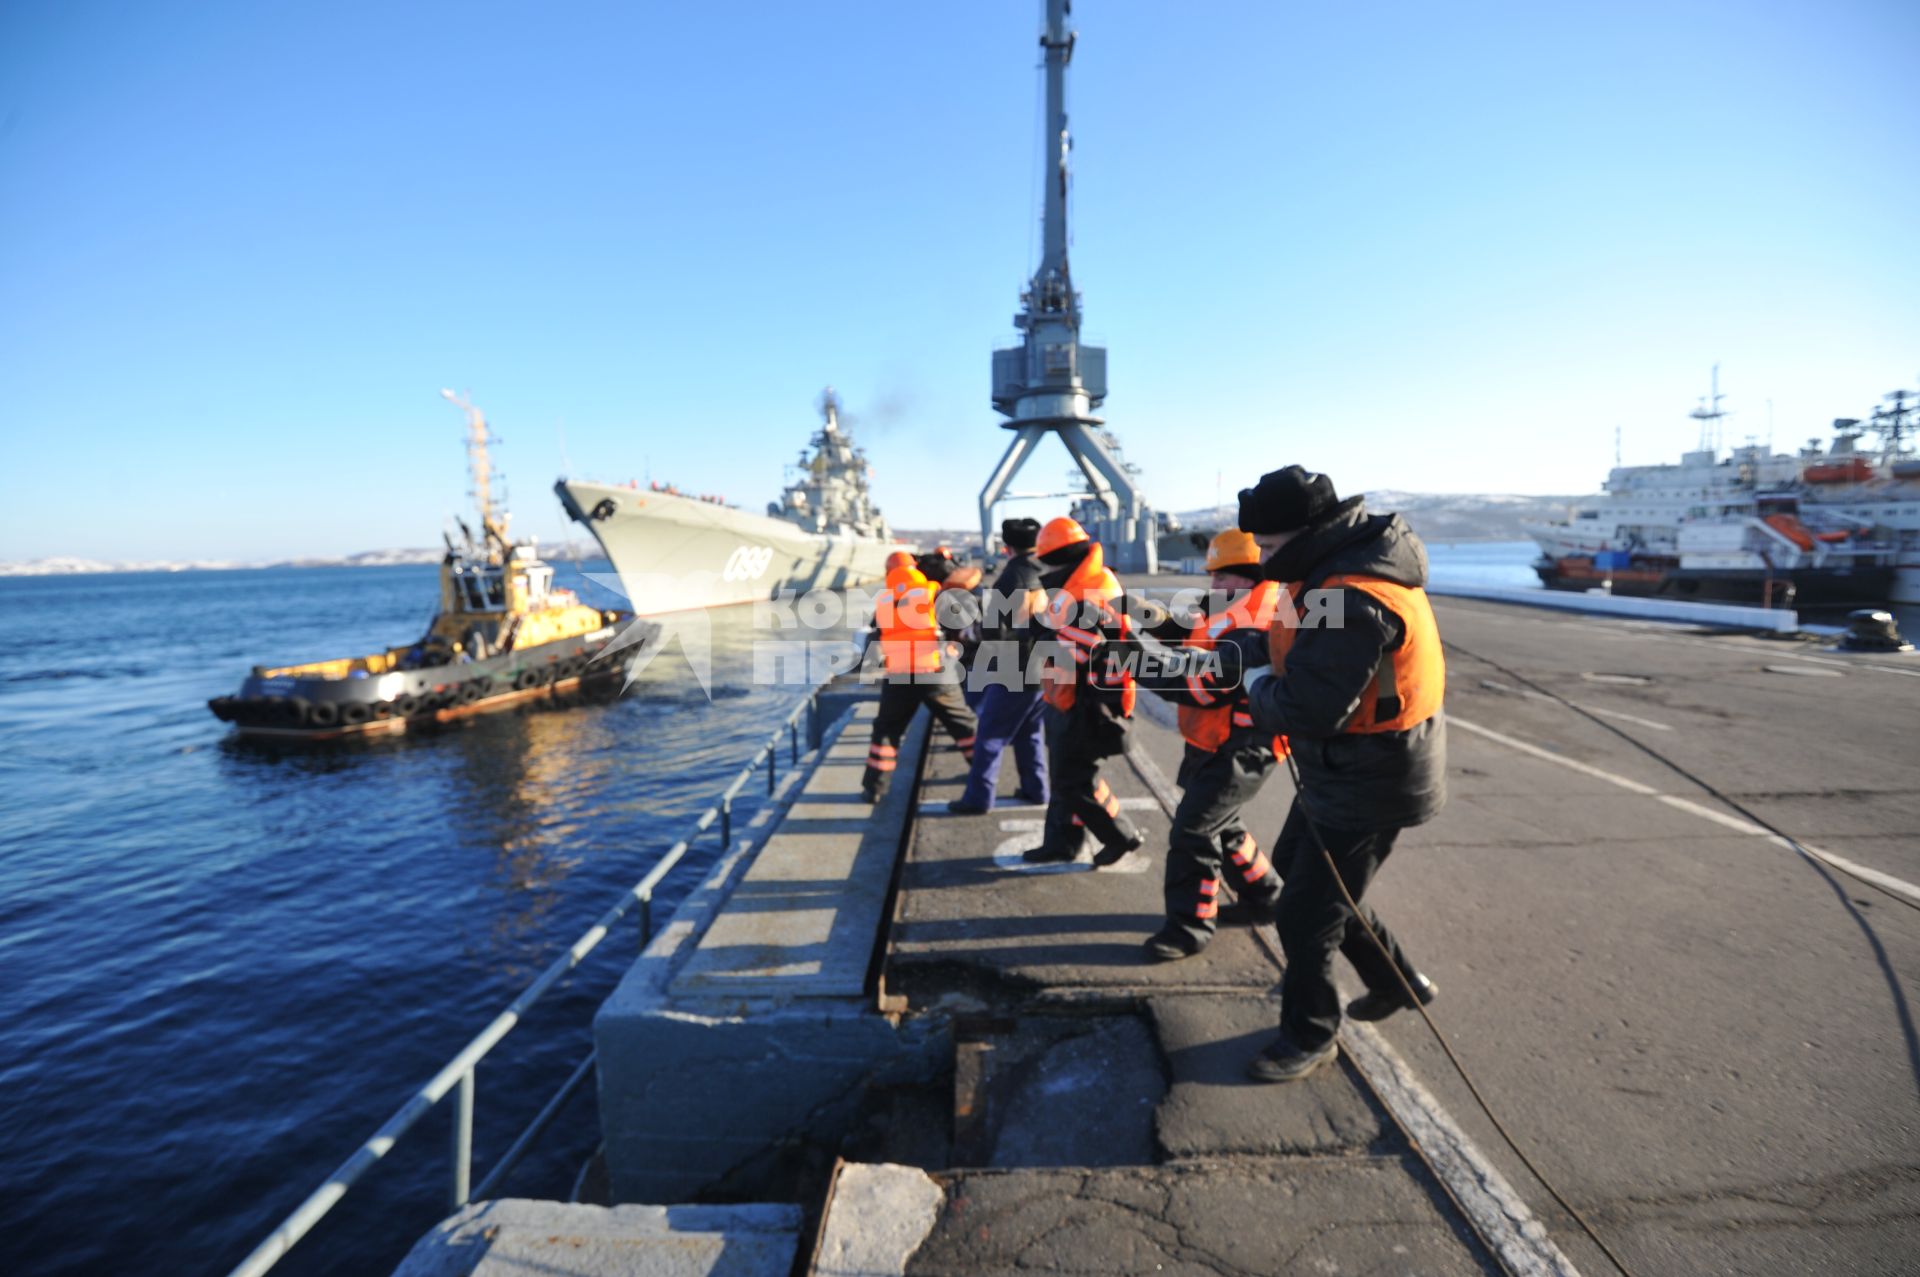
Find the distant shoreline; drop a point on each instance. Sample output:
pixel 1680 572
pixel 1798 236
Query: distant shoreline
pixel 565 552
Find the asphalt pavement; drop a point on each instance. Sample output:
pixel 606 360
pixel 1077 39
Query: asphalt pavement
pixel 1705 1041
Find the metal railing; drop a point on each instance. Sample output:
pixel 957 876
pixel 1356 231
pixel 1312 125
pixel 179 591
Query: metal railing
pixel 458 1073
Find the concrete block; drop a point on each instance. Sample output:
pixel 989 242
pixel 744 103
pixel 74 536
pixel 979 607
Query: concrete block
pixel 513 1237
pixel 877 1217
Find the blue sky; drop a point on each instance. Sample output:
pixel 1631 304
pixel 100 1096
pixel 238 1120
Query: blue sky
pixel 1435 247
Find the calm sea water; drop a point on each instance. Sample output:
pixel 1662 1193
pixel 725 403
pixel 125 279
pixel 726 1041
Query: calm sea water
pixel 1504 564
pixel 225 965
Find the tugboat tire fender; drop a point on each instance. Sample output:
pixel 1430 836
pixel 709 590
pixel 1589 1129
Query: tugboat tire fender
pixel 525 679
pixel 406 705
pixel 297 710
pixel 355 714
pixel 323 714
pixel 382 710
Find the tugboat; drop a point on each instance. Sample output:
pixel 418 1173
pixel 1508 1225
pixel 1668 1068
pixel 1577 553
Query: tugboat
pixel 503 635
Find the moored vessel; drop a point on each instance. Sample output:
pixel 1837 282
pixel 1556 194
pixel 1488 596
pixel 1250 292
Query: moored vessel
pixel 676 551
pixel 1832 526
pixel 503 634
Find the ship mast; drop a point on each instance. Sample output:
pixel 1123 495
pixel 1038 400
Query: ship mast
pixel 1709 415
pixel 1892 423
pixel 1050 383
pixel 480 468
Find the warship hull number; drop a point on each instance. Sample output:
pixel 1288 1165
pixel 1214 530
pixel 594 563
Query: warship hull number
pixel 748 563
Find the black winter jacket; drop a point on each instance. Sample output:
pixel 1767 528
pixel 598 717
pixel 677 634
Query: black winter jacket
pixel 1352 780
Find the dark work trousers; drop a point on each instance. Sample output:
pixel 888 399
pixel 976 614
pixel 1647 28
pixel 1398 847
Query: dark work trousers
pixel 1314 921
pixel 1081 798
pixel 1209 840
pixel 900 699
pixel 1008 716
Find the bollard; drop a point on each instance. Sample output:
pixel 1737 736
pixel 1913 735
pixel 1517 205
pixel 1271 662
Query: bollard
pixel 726 822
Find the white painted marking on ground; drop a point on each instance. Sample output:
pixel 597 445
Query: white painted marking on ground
pixel 939 808
pixel 1888 669
pixel 1734 823
pixel 1006 856
pixel 1625 717
pixel 1804 672
pixel 1499 1214
pixel 1530 694
pixel 1899 886
pixel 1572 764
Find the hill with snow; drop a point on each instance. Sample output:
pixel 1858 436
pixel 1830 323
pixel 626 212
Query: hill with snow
pixel 1440 517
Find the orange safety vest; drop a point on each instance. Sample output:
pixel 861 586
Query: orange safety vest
pixel 1091 585
pixel 909 639
pixel 1412 678
pixel 1208 726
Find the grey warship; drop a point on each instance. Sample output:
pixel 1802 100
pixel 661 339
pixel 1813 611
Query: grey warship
pixel 677 551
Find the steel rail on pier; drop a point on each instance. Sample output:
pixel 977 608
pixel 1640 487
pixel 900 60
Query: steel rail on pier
pixel 459 1071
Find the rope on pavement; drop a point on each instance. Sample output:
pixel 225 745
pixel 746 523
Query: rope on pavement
pixel 1808 853
pixel 1413 1000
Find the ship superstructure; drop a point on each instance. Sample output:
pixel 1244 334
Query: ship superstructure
pixel 1833 524
pixel 829 493
pixel 674 551
pixel 1052 381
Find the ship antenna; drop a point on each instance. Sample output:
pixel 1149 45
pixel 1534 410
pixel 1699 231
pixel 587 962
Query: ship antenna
pixel 480 467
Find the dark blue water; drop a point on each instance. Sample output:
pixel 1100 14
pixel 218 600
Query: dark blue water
pixel 223 966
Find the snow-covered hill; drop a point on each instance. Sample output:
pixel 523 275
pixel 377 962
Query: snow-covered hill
pixel 1440 516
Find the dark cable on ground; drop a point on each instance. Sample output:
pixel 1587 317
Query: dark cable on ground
pixel 1413 1000
pixel 1798 846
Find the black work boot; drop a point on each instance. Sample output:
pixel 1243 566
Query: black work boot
pixel 1045 855
pixel 1247 912
pixel 1174 942
pixel 1378 1006
pixel 1284 1062
pixel 1107 857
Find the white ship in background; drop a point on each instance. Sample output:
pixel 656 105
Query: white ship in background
pixel 675 551
pixel 1831 525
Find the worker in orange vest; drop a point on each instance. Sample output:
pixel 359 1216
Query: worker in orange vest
pixel 920 671
pixel 1088 706
pixel 1226 758
pixel 1358 698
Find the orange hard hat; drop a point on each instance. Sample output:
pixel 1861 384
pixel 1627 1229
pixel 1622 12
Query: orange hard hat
pixel 1056 533
pixel 899 559
pixel 1232 549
